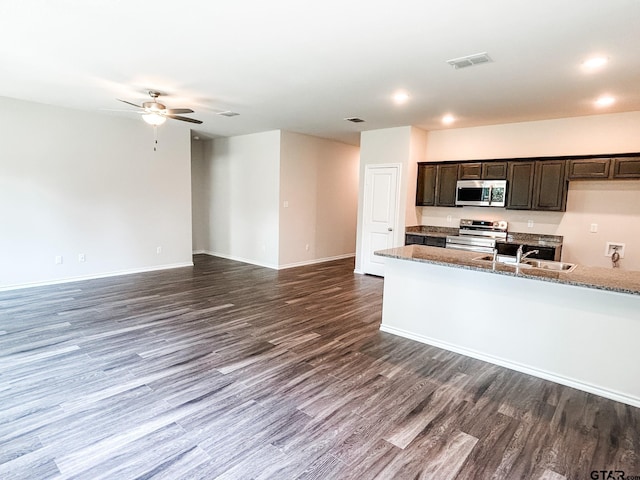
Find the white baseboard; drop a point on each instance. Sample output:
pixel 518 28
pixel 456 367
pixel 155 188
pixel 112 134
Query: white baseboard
pixel 277 267
pixel 317 260
pixel 569 382
pixel 239 259
pixel 95 276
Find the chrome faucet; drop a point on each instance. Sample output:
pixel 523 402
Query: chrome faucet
pixel 521 256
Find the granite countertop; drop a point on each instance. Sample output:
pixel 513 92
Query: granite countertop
pixel 614 280
pixel 431 231
pixel 535 240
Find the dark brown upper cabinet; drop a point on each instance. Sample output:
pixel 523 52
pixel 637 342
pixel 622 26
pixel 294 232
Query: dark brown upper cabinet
pixel 447 178
pixel 588 168
pixel 628 167
pixel 550 187
pixel 426 188
pixel 520 186
pixel 494 170
pixel 483 171
pixel 437 184
pixel 533 183
pixel 470 171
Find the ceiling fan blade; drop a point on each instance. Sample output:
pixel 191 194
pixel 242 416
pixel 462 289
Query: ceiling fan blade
pixel 184 119
pixel 124 101
pixel 173 111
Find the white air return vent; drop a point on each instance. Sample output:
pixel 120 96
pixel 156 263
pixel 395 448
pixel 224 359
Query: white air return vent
pixel 228 113
pixel 470 60
pixel 354 120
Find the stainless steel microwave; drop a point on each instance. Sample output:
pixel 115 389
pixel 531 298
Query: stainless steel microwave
pixel 481 193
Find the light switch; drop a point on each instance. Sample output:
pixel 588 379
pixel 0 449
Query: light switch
pixel 594 228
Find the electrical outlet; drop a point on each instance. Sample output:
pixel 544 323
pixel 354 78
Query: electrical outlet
pixel 448 218
pixel 306 247
pixel 81 257
pixel 58 260
pixel 530 223
pixel 158 250
pixel 614 247
pixel 285 204
pixel 594 228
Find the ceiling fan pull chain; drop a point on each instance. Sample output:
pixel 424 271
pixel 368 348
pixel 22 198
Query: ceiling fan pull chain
pixel 155 138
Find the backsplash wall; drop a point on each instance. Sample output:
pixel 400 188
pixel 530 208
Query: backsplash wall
pixel 613 205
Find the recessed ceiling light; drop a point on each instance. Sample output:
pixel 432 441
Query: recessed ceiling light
pixel 595 63
pixel 400 97
pixel 448 119
pixel 605 101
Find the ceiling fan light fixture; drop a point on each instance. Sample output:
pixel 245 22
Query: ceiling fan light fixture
pixel 154 119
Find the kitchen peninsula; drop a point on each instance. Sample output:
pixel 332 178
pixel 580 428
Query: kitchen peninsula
pixel 579 328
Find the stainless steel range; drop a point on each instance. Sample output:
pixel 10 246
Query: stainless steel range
pixel 478 235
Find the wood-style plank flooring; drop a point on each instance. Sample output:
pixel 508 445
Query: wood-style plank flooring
pixel 232 371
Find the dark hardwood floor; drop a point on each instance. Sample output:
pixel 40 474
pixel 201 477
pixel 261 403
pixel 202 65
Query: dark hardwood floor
pixel 232 371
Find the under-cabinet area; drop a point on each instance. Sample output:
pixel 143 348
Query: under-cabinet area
pixel 543 247
pixel 539 184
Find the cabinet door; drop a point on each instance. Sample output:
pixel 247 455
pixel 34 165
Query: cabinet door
pixel 470 171
pixel 626 167
pixel 588 168
pixel 435 241
pixel 550 191
pixel 544 253
pixel 520 187
pixel 426 188
pixel 447 178
pixel 410 239
pixel 494 170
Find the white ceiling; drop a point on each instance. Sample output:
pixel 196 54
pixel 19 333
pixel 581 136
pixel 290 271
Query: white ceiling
pixel 304 67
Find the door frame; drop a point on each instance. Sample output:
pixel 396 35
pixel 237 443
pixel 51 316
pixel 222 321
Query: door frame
pixel 396 234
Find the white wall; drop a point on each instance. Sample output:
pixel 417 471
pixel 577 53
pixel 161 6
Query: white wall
pixel 319 183
pixel 199 197
pixel 242 197
pixel 611 133
pixel 613 205
pixel 240 185
pixel 400 145
pixel 76 182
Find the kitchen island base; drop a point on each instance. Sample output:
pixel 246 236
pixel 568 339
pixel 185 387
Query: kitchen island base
pixel 581 337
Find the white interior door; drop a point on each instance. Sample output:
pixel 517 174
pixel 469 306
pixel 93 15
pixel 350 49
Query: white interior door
pixel 380 212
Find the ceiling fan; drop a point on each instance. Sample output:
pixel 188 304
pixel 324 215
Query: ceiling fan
pixel 155 113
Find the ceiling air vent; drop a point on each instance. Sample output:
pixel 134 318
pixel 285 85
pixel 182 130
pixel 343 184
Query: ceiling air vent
pixel 227 113
pixel 470 60
pixel 354 120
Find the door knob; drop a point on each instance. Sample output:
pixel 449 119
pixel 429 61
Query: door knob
pixel 390 229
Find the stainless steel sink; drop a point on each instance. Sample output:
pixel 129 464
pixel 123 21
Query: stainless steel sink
pixel 550 265
pixel 529 263
pixel 499 258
